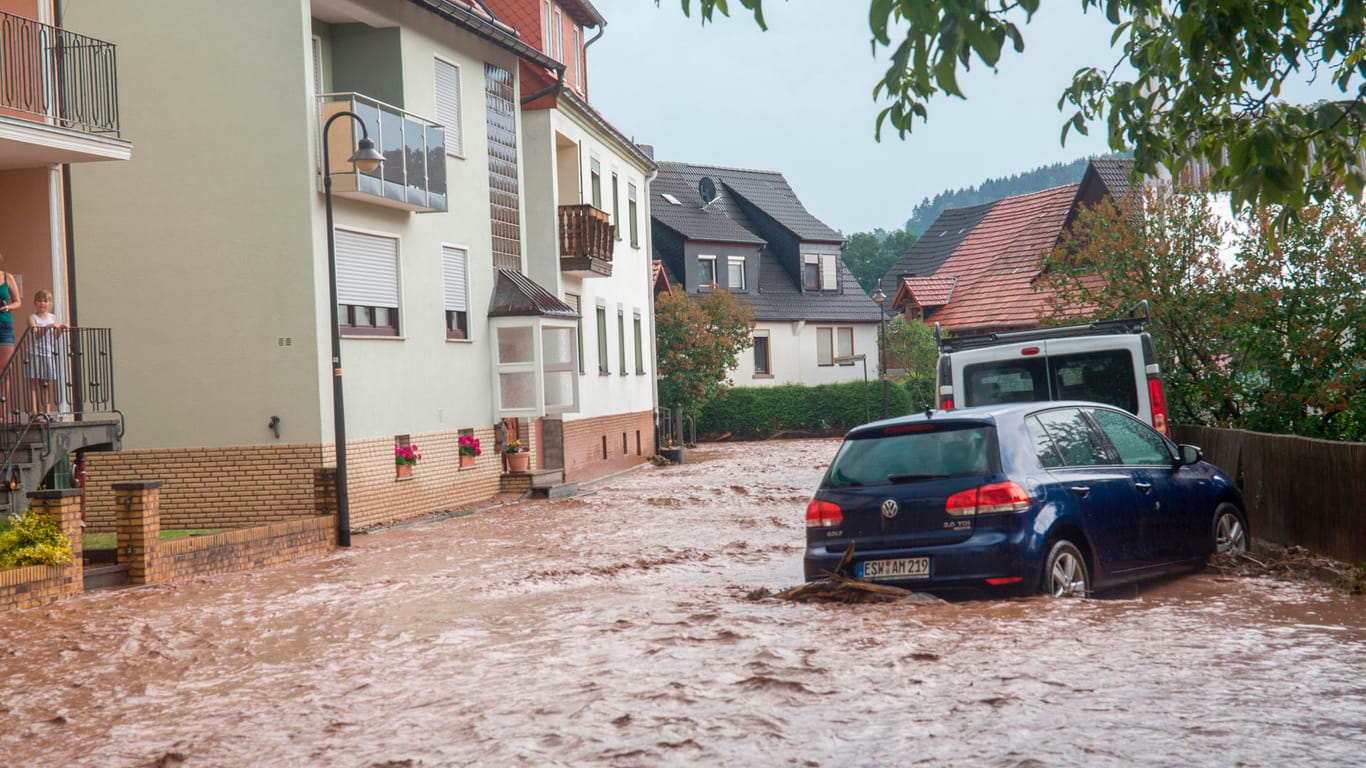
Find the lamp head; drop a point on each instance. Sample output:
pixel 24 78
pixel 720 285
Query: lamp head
pixel 367 158
pixel 879 296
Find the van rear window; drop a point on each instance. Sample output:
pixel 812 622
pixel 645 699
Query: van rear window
pixel 1104 377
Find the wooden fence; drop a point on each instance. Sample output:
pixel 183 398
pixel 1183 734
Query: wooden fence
pixel 1298 490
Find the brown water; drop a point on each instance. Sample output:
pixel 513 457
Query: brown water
pixel 613 629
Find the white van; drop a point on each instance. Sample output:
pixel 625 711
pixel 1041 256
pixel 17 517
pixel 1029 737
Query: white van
pixel 1110 361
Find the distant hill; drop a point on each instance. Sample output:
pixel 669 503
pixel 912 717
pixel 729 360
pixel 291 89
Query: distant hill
pixel 1045 177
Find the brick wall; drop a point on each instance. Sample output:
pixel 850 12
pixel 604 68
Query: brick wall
pixel 584 458
pixel 244 549
pixel 249 486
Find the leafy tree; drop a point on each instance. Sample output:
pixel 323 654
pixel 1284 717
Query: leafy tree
pixel 1256 326
pixel 1206 75
pixel 1168 254
pixel 870 254
pixel 698 339
pixel 1303 320
pixel 911 347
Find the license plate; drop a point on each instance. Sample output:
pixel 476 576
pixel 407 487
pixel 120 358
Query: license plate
pixel 903 568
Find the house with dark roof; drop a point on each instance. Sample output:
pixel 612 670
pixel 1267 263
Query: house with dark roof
pixel 744 231
pixel 975 269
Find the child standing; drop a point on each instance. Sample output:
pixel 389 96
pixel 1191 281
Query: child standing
pixel 42 359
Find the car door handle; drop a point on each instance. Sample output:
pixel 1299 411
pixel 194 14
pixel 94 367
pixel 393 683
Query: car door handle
pixel 1081 491
pixel 1145 487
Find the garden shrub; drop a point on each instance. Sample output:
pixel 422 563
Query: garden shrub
pixel 825 409
pixel 34 539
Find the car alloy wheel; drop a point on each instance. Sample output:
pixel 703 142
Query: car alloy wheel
pixel 1064 573
pixel 1230 534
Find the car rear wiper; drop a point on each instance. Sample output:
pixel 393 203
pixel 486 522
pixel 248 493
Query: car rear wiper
pixel 894 479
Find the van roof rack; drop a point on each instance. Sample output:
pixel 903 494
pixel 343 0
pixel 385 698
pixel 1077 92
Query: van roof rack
pixel 1133 323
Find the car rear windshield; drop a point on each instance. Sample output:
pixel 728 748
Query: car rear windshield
pixel 914 453
pixel 1104 377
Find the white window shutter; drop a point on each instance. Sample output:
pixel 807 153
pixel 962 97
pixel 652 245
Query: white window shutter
pixel 367 269
pixel 453 266
pixel 829 273
pixel 448 105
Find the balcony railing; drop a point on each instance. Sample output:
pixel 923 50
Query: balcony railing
pixel 586 240
pixel 57 77
pixel 413 175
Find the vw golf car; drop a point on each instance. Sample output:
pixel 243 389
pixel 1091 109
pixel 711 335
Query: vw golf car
pixel 1060 497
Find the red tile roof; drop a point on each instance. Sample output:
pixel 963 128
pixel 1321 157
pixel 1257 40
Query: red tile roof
pixel 995 265
pixel 923 292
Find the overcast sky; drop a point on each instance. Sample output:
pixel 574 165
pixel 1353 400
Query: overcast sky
pixel 798 99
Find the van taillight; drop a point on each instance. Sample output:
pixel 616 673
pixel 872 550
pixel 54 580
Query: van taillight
pixel 946 403
pixel 984 500
pixel 823 514
pixel 1158 400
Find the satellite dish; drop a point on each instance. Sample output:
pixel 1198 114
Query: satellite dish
pixel 707 189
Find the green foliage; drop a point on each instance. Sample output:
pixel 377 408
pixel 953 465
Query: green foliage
pixel 1268 338
pixel 870 254
pixel 33 539
pixel 698 338
pixel 1206 77
pixel 911 347
pixel 825 409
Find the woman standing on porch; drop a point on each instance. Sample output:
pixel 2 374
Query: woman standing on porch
pixel 9 300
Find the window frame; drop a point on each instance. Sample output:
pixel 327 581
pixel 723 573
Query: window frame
pixel 453 148
pixel 640 345
pixel 631 210
pixel 601 314
pixel 710 260
pixel 621 340
pixel 766 370
pixel 456 317
pixel 350 312
pixel 731 263
pixel 825 346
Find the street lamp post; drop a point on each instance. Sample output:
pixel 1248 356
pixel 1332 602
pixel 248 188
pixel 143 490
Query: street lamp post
pixel 867 417
pixel 880 298
pixel 367 159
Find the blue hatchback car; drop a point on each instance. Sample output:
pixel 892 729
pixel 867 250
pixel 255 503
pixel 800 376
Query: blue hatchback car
pixel 1062 498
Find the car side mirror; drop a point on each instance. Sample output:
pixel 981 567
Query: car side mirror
pixel 1188 454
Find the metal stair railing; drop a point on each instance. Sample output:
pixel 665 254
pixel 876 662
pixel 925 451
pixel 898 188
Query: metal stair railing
pixel 53 376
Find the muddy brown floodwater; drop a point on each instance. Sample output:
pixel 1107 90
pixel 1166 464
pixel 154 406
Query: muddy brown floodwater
pixel 614 629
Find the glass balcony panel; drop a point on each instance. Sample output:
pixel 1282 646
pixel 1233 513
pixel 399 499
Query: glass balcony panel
pixel 413 175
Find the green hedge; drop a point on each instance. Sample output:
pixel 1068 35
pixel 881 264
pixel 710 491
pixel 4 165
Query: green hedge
pixel 825 409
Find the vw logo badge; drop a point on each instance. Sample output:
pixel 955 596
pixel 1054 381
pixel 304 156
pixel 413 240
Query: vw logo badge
pixel 889 508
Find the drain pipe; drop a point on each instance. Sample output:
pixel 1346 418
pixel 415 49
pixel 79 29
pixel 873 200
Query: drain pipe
pixel 558 86
pixel 601 29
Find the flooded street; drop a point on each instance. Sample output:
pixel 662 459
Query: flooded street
pixel 615 629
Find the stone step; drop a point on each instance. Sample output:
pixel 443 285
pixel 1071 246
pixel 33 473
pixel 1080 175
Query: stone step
pixel 555 491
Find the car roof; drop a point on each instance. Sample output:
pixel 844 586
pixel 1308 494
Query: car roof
pixel 980 414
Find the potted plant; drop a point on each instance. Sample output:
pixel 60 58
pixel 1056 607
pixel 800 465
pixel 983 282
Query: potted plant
pixel 405 458
pixel 469 449
pixel 516 456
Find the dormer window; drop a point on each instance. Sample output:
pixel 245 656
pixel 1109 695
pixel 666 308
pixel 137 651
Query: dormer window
pixel 735 273
pixel 819 272
pixel 706 271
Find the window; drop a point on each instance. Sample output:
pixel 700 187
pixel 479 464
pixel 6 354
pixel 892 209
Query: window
pixel 545 25
pixel 602 340
pixel 811 272
pixel 640 357
pixel 578 64
pixel 448 105
pixel 621 340
pixel 631 212
pixel 1105 376
pixel 735 273
pixel 367 283
pixel 616 208
pixel 558 36
pixel 706 271
pixel 317 66
pixel 820 272
pixel 1137 443
pixel 763 364
pixel 576 302
pixel 844 344
pixel 825 349
pixel 456 279
pixel 1072 438
pixel 595 182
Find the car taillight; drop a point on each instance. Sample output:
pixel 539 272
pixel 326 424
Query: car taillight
pixel 1158 400
pixel 823 514
pixel 985 500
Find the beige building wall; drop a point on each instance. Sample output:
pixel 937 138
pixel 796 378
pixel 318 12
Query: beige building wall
pixel 199 252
